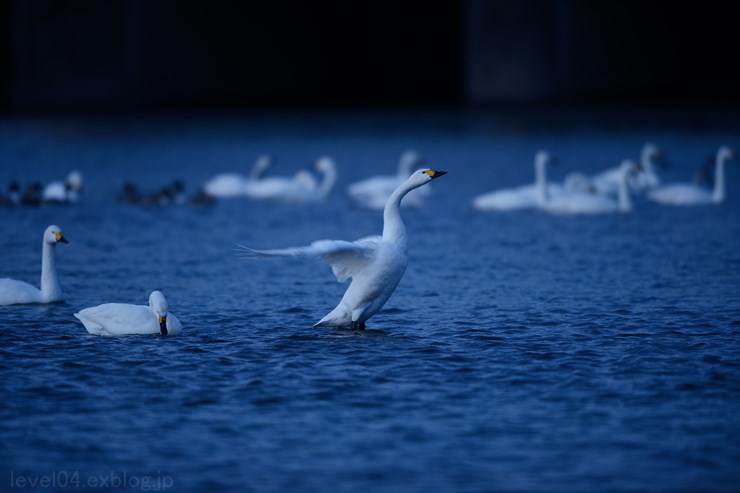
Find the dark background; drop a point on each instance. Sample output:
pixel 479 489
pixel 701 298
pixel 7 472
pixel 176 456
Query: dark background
pixel 90 55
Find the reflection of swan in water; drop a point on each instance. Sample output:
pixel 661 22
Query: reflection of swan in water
pixel 14 292
pixel 64 192
pixel 375 264
pixel 691 194
pixel 373 192
pixel 300 188
pixel 228 185
pixel 594 203
pixel 117 319
pixel 524 197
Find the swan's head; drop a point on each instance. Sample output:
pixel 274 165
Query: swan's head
pixel 158 305
pixel 543 158
pixel 53 235
pixel 651 151
pixel 423 176
pixel 629 166
pixel 74 181
pixel 324 164
pixel 264 161
pixel 409 160
pixel 724 153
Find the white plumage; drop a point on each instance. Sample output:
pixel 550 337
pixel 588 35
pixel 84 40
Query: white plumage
pixel 117 319
pixel 375 264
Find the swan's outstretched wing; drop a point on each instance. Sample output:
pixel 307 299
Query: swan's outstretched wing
pixel 346 258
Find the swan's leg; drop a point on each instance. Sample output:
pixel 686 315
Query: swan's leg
pixel 362 325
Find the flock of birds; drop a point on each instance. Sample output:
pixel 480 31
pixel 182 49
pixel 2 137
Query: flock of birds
pixel 374 263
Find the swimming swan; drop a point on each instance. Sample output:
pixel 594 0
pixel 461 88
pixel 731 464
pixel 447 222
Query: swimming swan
pixel 300 188
pixel 608 181
pixel 690 194
pixel 64 192
pixel 228 185
pixel 373 192
pixel 594 203
pixel 524 197
pixel 375 263
pixel 14 292
pixel 118 319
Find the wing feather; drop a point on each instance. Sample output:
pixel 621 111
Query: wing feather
pixel 346 258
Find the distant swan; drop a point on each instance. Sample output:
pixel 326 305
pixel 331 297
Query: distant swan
pixel 228 185
pixel 64 192
pixel 524 197
pixel 375 264
pixel 300 188
pixel 594 203
pixel 14 292
pixel 117 319
pixel 690 194
pixel 373 192
pixel 608 181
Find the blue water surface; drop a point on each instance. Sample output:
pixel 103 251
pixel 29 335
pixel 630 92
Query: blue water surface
pixel 520 352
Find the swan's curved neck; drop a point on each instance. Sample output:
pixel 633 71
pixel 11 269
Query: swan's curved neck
pixel 50 289
pixel 540 179
pixel 258 170
pixel 624 201
pixel 330 177
pixel 718 195
pixel 393 227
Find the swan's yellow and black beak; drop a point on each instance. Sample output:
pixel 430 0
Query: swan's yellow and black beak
pixel 163 324
pixel 60 238
pixel 435 174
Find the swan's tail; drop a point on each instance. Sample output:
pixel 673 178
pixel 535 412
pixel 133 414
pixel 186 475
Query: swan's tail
pixel 338 317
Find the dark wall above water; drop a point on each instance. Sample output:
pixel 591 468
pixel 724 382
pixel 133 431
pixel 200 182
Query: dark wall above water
pixel 87 55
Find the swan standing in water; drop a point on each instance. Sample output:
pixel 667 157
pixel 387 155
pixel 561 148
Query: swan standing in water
pixel 228 185
pixel 299 189
pixel 14 292
pixel 64 192
pixel 118 319
pixel 524 197
pixel 375 263
pixel 373 192
pixel 593 203
pixel 691 194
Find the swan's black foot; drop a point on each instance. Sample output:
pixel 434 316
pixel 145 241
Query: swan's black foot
pixel 362 325
pixel 358 325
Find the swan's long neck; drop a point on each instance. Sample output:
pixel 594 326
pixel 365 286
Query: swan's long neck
pixel 540 179
pixel 393 228
pixel 624 201
pixel 50 289
pixel 330 177
pixel 258 170
pixel 718 195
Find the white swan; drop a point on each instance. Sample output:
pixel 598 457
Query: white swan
pixel 594 203
pixel 375 264
pixel 608 181
pixel 524 197
pixel 373 192
pixel 690 194
pixel 228 185
pixel 67 191
pixel 14 292
pixel 300 188
pixel 118 319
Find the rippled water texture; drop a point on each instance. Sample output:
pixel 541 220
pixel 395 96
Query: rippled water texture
pixel 521 352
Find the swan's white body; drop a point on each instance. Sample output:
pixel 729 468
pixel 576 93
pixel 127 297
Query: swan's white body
pixel 524 197
pixel 572 203
pixel 117 319
pixel 373 192
pixel 690 194
pixel 375 264
pixel 301 188
pixel 14 292
pixel 229 185
pixel 62 192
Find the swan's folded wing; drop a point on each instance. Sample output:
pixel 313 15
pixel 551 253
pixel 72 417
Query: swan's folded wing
pixel 346 258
